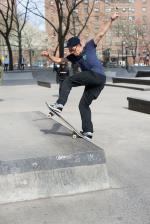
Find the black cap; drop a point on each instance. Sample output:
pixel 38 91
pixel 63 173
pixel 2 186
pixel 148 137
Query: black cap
pixel 73 41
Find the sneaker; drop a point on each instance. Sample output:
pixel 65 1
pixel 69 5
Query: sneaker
pixel 88 135
pixel 56 107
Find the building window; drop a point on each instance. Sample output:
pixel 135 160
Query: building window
pixel 86 10
pixel 131 18
pixel 96 18
pixel 107 1
pixel 143 9
pixel 144 26
pixel 131 10
pixel 108 10
pixel 96 10
pixel 75 11
pixel 144 18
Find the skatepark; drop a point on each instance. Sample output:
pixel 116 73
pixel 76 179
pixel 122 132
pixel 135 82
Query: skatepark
pixel 48 177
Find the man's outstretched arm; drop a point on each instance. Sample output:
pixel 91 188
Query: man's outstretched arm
pixel 53 58
pixel 105 28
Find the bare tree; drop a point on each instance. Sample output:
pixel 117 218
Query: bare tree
pixel 31 42
pixel 65 13
pixel 6 23
pixel 146 35
pixel 77 25
pixel 130 34
pixel 20 18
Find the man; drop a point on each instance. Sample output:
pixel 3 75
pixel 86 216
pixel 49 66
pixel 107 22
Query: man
pixel 91 76
pixel 6 63
pixel 22 63
pixel 62 74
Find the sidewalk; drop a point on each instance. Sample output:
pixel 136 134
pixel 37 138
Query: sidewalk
pixel 123 134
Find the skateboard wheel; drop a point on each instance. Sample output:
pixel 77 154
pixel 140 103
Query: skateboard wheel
pixel 74 136
pixel 50 115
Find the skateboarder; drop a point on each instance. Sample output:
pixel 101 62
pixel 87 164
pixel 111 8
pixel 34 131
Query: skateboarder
pixel 92 75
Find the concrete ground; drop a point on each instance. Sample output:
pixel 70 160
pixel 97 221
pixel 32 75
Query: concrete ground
pixel 123 134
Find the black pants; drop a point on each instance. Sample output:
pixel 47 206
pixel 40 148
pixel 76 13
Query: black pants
pixel 93 83
pixel 60 85
pixel 60 81
pixel 5 67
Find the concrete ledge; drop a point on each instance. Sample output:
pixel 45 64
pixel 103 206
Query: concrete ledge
pixel 53 162
pixel 53 182
pixel 129 86
pixel 44 84
pixel 16 78
pixel 143 74
pixel 132 80
pixel 141 105
pixel 41 160
pixel 47 75
pixel 18 82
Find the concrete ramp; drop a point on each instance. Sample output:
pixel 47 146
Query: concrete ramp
pixel 18 78
pixel 39 158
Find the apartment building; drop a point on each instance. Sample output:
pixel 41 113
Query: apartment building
pixel 134 19
pixel 80 16
pixel 132 38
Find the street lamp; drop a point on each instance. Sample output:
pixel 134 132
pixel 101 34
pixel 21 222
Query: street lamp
pixel 126 57
pixel 123 43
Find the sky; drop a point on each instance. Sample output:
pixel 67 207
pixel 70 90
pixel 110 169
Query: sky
pixel 36 20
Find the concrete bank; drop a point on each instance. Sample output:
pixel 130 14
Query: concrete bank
pixel 39 159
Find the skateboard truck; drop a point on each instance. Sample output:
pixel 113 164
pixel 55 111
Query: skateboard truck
pixel 50 114
pixel 74 135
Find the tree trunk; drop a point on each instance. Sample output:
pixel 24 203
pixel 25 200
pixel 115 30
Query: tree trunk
pixel 61 45
pixel 20 51
pixel 10 54
pixel 30 58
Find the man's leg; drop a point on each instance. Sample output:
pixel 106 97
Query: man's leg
pixel 90 94
pixel 82 79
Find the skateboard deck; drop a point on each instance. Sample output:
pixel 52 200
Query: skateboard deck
pixel 75 133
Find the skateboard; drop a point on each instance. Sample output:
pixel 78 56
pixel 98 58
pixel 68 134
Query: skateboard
pixel 75 133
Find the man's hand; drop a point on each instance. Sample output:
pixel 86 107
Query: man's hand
pixel 45 53
pixel 53 58
pixel 114 16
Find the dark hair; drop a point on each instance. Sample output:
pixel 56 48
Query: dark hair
pixel 0 62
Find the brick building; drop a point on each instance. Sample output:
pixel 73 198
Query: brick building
pixel 80 16
pixel 129 36
pixel 132 38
